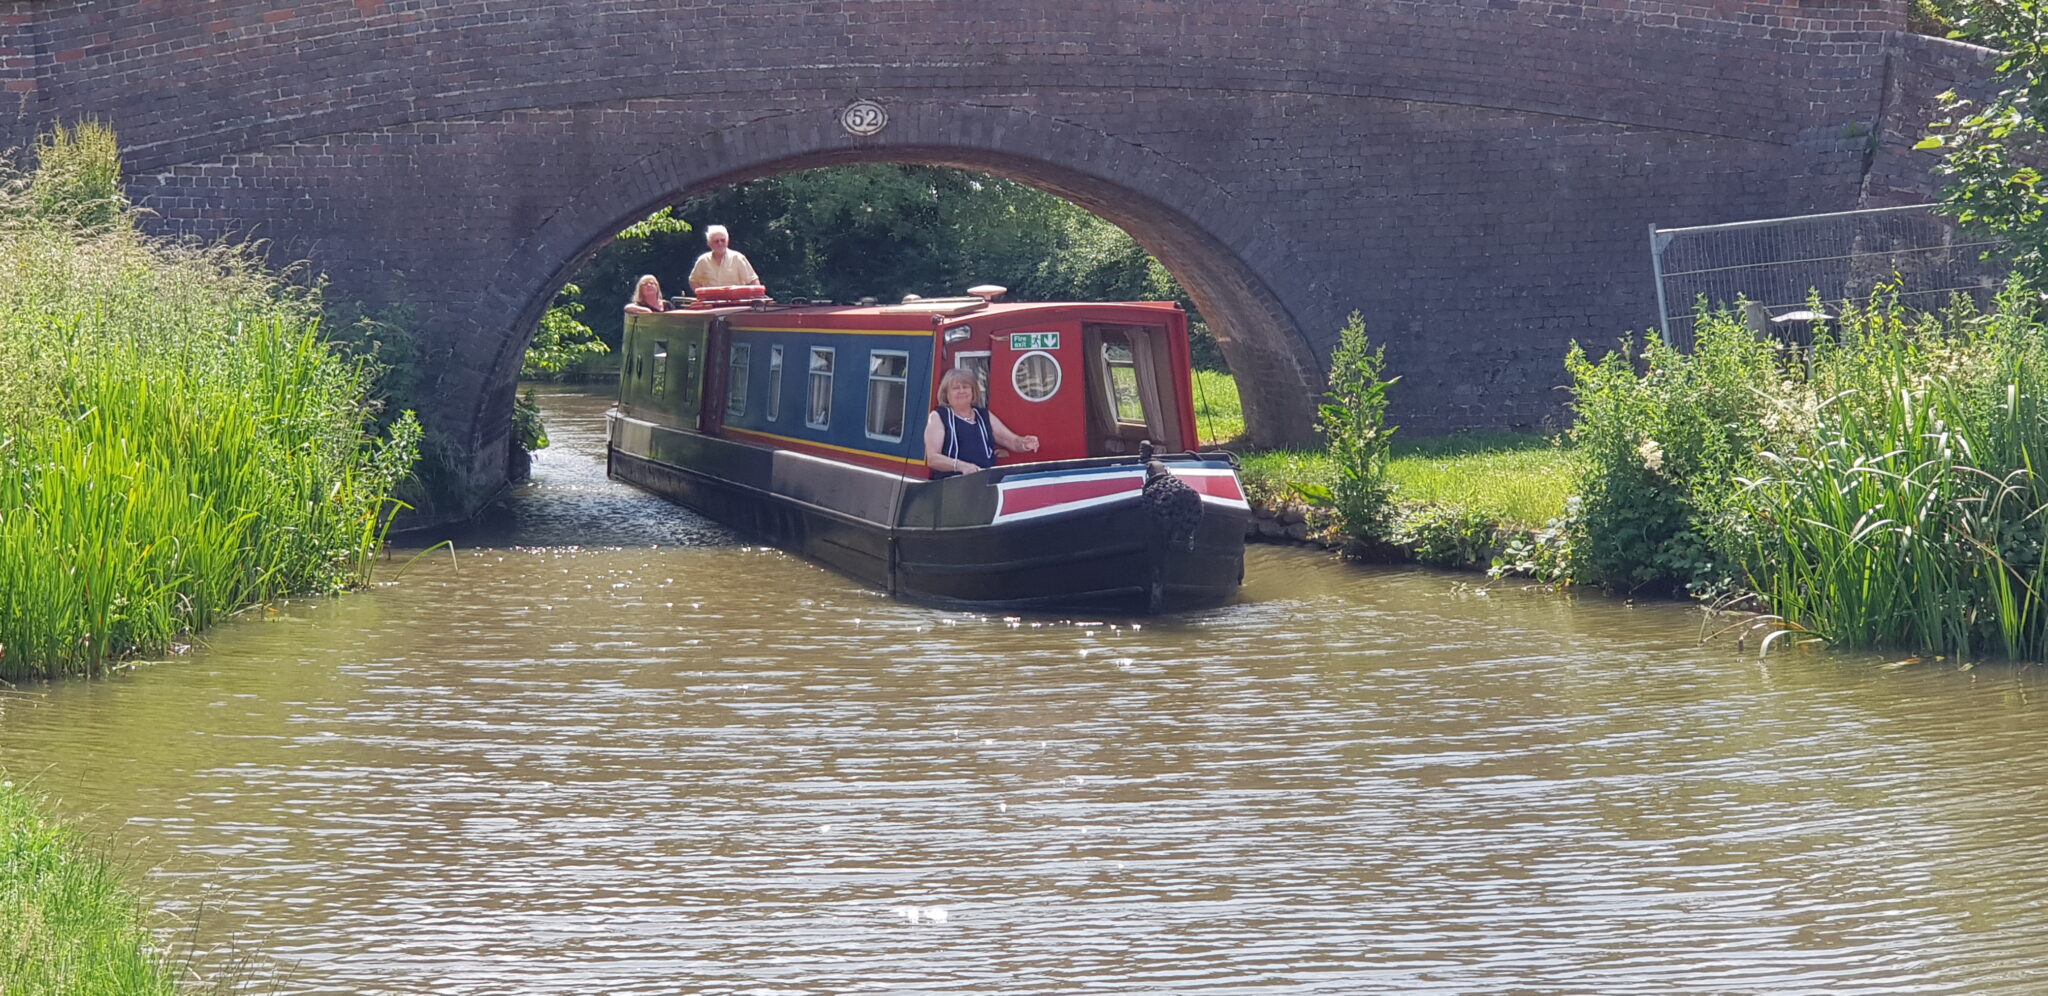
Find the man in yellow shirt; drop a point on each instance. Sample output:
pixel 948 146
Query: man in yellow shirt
pixel 721 267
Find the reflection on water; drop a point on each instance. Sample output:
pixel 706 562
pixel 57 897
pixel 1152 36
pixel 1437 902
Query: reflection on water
pixel 570 501
pixel 663 761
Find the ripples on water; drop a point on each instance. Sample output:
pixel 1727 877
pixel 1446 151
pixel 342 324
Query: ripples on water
pixel 665 761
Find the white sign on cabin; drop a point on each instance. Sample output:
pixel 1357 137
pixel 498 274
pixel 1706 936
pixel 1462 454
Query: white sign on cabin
pixel 1034 340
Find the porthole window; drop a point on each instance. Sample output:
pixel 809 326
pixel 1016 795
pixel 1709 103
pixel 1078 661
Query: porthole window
pixel 1036 376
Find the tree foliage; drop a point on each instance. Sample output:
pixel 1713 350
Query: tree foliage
pixel 562 338
pixel 1994 149
pixel 1942 18
pixel 883 230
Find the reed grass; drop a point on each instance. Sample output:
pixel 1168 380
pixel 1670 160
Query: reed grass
pixel 1912 513
pixel 67 924
pixel 176 440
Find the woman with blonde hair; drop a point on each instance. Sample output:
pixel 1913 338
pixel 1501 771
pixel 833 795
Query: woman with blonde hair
pixel 961 436
pixel 647 299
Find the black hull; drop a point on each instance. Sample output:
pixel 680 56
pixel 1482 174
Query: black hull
pixel 932 542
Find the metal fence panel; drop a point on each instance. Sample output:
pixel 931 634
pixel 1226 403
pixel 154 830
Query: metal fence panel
pixel 1781 263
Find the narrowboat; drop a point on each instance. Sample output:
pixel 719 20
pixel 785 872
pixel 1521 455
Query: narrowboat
pixel 805 424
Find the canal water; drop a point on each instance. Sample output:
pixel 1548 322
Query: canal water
pixel 607 747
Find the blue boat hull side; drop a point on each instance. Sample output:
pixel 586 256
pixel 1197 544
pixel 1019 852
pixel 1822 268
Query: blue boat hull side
pixel 1112 558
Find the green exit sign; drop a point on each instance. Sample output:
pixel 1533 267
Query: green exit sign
pixel 1034 340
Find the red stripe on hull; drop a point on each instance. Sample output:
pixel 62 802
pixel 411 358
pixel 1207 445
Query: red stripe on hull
pixel 1018 500
pixel 1218 486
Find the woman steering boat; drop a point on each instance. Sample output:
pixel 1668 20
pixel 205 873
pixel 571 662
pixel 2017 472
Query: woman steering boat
pixel 961 437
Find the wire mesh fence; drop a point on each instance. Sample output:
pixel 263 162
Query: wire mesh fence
pixel 1778 265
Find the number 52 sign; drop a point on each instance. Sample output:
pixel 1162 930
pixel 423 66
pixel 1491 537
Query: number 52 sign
pixel 863 118
pixel 1034 340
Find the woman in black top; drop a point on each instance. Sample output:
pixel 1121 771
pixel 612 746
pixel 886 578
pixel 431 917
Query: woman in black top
pixel 961 437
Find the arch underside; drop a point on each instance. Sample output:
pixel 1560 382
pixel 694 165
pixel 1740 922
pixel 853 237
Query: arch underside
pixel 1248 319
pixel 1198 239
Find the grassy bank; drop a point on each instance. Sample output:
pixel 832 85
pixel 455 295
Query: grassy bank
pixel 176 439
pixel 1518 479
pixel 1219 412
pixel 1455 501
pixel 1879 488
pixel 67 925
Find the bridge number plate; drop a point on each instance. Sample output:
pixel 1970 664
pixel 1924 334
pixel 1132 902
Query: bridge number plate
pixel 863 118
pixel 1034 340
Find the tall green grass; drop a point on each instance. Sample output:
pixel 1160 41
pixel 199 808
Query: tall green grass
pixel 67 925
pixel 1911 512
pixel 1880 488
pixel 176 440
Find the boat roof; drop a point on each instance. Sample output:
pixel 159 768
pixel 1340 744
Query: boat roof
pixel 919 315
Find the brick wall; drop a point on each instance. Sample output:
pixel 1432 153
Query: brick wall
pixel 1475 178
pixel 1920 69
pixel 20 44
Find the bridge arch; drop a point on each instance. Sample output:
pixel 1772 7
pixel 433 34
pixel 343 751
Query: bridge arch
pixel 1474 179
pixel 1232 260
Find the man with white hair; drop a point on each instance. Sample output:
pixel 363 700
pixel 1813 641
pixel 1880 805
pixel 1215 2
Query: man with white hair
pixel 721 267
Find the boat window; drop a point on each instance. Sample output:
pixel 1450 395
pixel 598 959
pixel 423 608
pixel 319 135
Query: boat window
pixel 1130 391
pixel 774 382
pixel 736 371
pixel 977 362
pixel 888 373
pixel 1036 376
pixel 1121 380
pixel 660 386
pixel 692 374
pixel 818 414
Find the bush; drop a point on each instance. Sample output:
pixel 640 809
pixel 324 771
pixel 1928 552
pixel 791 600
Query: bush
pixel 1662 436
pixel 1543 554
pixel 527 429
pixel 1354 417
pixel 1446 535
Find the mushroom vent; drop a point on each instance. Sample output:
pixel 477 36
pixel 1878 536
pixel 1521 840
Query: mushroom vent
pixel 987 292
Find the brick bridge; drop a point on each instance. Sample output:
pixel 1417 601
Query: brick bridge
pixel 1475 177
